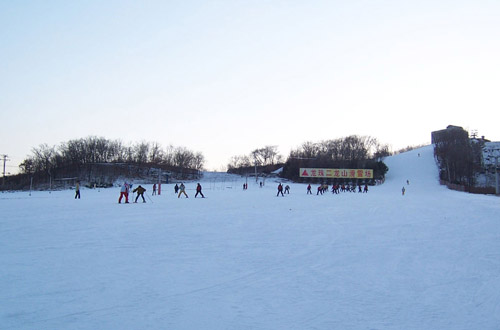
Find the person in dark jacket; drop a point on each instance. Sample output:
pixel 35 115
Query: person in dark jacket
pixel 140 192
pixel 198 191
pixel 280 190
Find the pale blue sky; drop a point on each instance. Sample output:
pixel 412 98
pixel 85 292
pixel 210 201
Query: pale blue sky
pixel 226 77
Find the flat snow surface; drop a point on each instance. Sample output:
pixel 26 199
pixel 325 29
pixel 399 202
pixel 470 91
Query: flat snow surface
pixel 250 260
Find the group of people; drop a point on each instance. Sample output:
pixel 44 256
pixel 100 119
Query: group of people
pixel 280 190
pixel 125 189
pixel 178 189
pixel 337 188
pixel 181 190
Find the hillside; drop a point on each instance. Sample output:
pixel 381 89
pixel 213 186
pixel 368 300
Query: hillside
pixel 250 260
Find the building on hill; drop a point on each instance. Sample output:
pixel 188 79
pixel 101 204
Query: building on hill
pixel 441 135
pixel 465 162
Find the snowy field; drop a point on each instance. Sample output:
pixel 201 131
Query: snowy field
pixel 250 260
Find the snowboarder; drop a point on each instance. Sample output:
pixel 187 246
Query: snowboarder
pixel 280 190
pixel 124 192
pixel 309 189
pixel 182 190
pixel 154 190
pixel 198 191
pixel 77 190
pixel 140 192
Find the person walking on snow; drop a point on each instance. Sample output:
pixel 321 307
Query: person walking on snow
pixel 198 191
pixel 309 189
pixel 77 190
pixel 182 190
pixel 140 192
pixel 280 190
pixel 287 189
pixel 124 192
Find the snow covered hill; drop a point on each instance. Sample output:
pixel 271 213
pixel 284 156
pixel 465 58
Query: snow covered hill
pixel 246 259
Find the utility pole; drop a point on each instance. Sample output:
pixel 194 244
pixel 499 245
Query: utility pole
pixel 5 159
pixel 494 153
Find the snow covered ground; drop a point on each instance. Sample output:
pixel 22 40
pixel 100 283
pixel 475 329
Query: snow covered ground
pixel 250 260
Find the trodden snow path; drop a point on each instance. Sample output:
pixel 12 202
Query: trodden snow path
pixel 250 260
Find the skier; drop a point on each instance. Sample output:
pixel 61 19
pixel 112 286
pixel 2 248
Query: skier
pixel 182 190
pixel 124 192
pixel 287 189
pixel 176 188
pixel 403 191
pixel 309 189
pixel 77 190
pixel 198 191
pixel 154 189
pixel 140 192
pixel 320 190
pixel 280 190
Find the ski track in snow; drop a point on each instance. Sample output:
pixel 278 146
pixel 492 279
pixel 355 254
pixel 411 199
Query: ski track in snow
pixel 250 260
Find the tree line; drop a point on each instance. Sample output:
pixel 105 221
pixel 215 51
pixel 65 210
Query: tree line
pixel 459 158
pixel 347 152
pixel 264 159
pixel 353 151
pixel 98 150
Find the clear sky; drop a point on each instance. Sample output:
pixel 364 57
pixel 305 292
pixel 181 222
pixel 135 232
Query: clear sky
pixel 227 77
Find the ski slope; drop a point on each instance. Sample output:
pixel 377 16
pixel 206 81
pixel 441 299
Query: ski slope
pixel 250 260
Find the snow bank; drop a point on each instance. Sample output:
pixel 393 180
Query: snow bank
pixel 246 259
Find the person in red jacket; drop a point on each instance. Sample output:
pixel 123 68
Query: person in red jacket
pixel 280 190
pixel 198 191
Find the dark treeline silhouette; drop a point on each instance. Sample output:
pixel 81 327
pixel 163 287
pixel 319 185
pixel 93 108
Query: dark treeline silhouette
pixel 261 157
pixel 348 152
pixel 100 160
pixel 458 158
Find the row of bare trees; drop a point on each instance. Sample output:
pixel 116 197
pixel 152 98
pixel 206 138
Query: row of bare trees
pixel 350 148
pixel 95 150
pixel 265 156
pixel 455 155
pixel 347 152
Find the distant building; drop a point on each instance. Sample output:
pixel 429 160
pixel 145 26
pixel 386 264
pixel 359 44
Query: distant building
pixel 438 136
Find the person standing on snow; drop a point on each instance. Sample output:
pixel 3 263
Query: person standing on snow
pixel 182 190
pixel 154 190
pixel 124 192
pixel 77 190
pixel 140 192
pixel 287 189
pixel 198 191
pixel 309 189
pixel 176 188
pixel 280 190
